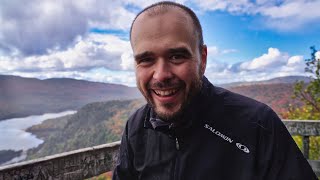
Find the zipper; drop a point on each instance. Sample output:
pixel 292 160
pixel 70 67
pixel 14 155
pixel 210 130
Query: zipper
pixel 177 144
pixel 176 164
pixel 175 173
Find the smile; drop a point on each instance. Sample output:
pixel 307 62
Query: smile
pixel 164 93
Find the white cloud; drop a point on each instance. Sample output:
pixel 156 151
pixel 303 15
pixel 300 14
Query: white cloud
pixel 295 60
pixel 97 51
pixel 317 55
pixel 94 51
pixel 281 15
pixel 33 27
pixel 299 8
pixel 272 64
pixel 270 60
pixel 145 3
pixel 214 51
pixel 238 6
pixel 292 15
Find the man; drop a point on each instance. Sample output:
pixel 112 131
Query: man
pixel 190 129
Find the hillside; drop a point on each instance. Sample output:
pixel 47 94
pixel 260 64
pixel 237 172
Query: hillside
pixel 93 124
pixel 29 96
pixel 277 96
pixel 278 80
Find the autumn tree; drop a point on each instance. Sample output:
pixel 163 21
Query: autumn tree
pixel 309 94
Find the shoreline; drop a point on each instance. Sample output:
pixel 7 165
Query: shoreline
pixel 16 140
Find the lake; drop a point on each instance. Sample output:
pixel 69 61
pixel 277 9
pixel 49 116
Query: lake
pixel 13 135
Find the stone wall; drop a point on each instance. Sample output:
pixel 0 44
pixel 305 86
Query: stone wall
pixel 79 164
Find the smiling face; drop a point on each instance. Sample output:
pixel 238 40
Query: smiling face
pixel 169 64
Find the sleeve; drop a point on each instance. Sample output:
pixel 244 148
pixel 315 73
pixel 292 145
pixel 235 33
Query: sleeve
pixel 124 169
pixel 280 156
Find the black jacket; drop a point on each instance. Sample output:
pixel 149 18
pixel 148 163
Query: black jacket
pixel 223 136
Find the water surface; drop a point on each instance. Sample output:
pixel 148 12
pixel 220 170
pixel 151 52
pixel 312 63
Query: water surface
pixel 13 135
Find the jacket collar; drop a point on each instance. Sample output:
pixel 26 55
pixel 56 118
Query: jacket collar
pixel 194 112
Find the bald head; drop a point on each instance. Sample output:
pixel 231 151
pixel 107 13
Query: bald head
pixel 161 8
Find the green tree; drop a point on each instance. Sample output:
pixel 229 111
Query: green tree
pixel 309 95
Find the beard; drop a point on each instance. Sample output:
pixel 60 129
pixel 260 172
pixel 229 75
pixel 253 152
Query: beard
pixel 172 116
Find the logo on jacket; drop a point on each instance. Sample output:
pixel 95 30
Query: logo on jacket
pixel 242 147
pixel 226 138
pixel 218 133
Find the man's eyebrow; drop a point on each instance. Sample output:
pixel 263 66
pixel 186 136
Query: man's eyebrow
pixel 142 55
pixel 181 50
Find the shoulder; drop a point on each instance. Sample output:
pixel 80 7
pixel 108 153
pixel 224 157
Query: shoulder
pixel 243 114
pixel 241 106
pixel 234 101
pixel 136 120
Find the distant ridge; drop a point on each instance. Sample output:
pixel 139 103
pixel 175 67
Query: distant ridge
pixel 20 96
pixel 286 80
pixel 276 92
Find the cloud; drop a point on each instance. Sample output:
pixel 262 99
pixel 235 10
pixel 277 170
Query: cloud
pixel 94 51
pixel 292 15
pixel 214 51
pixel 272 64
pixel 145 3
pixel 240 6
pixel 272 59
pixel 317 55
pixel 36 26
pixel 281 15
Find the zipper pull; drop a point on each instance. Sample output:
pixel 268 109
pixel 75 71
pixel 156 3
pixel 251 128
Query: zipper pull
pixel 177 144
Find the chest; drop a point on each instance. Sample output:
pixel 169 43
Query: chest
pixel 204 152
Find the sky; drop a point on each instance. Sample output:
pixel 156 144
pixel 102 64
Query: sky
pixel 247 40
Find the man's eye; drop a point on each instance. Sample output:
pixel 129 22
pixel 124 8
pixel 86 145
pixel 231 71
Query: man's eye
pixel 178 58
pixel 145 60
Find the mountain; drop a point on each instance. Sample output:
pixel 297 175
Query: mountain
pixel 94 124
pixel 278 95
pixel 278 80
pixel 21 96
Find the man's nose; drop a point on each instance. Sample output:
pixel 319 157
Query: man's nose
pixel 162 70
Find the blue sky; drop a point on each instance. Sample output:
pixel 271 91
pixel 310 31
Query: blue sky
pixel 251 37
pixel 247 40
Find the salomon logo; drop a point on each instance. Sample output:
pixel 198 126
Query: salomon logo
pixel 242 147
pixel 226 138
pixel 218 133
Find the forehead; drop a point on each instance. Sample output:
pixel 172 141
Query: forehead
pixel 173 24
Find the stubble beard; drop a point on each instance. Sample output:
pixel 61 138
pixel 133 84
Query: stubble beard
pixel 195 87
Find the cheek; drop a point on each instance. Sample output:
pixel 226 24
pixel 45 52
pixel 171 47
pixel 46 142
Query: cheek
pixel 141 79
pixel 188 72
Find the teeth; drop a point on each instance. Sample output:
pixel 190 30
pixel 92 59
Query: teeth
pixel 165 93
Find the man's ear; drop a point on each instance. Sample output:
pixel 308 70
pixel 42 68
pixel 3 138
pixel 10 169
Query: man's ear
pixel 203 62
